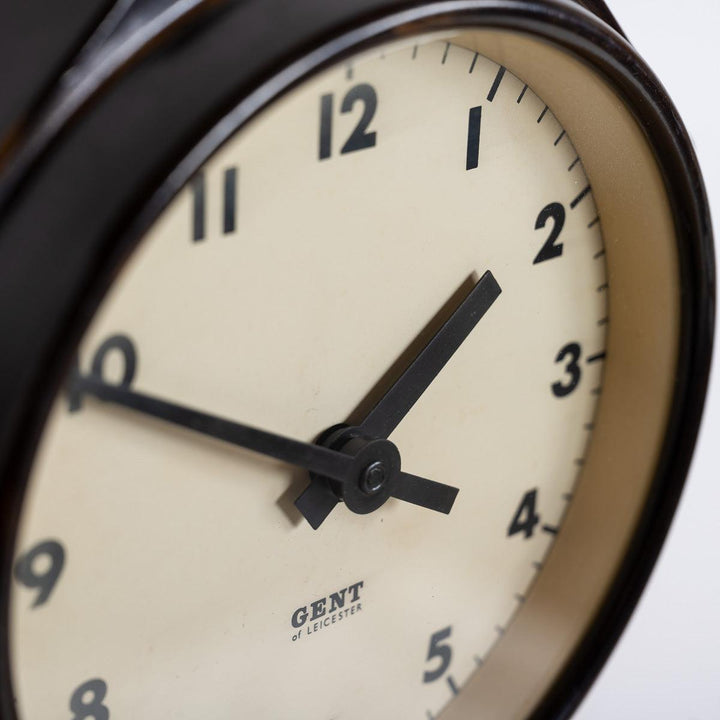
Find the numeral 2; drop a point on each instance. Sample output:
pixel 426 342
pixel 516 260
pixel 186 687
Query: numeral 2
pixel 360 138
pixel 550 250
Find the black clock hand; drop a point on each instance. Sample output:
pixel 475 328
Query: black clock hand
pixel 407 389
pixel 318 459
pixel 317 501
pixel 338 466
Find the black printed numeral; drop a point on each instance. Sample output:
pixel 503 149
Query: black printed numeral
pixel 50 556
pixel 570 355
pixel 360 138
pixel 472 157
pixel 121 345
pixel 442 651
pixel 526 516
pixel 87 701
pixel 229 204
pixel 550 249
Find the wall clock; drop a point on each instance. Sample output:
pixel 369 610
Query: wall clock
pixel 354 359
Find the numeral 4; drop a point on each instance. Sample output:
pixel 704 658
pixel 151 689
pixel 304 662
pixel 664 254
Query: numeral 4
pixel 526 516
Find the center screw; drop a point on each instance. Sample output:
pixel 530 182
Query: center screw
pixel 373 478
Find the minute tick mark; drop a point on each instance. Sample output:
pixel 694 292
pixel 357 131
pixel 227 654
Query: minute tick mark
pixel 583 193
pixel 474 60
pixel 496 84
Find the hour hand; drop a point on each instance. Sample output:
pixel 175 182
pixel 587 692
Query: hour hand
pixel 316 502
pixel 408 388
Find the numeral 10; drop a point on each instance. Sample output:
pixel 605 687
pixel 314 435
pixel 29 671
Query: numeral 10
pixel 229 204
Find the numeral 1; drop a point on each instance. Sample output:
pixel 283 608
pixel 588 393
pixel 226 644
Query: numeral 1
pixel 473 140
pixel 229 204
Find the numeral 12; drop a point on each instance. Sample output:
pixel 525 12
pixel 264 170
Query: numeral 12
pixel 360 138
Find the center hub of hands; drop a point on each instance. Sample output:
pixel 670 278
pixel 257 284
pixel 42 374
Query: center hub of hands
pixel 373 478
pixel 376 464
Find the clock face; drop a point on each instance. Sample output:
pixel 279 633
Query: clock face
pixel 287 288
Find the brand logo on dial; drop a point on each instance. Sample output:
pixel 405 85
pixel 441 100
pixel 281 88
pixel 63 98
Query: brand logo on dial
pixel 327 611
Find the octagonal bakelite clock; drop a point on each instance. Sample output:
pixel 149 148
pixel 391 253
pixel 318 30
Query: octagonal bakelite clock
pixel 353 359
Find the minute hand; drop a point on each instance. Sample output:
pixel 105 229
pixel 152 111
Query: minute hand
pixel 316 458
pixel 408 388
pixel 332 464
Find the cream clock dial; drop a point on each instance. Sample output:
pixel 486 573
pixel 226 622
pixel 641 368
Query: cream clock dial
pixel 304 269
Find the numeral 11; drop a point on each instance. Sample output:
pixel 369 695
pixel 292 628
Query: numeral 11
pixel 229 204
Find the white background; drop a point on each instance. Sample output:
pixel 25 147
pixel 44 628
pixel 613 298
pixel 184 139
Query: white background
pixel 667 665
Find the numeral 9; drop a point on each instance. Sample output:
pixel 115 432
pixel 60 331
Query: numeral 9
pixel 26 571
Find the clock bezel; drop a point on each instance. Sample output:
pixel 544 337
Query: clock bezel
pixel 40 358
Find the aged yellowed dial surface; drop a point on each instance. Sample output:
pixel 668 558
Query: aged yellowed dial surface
pixel 162 573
